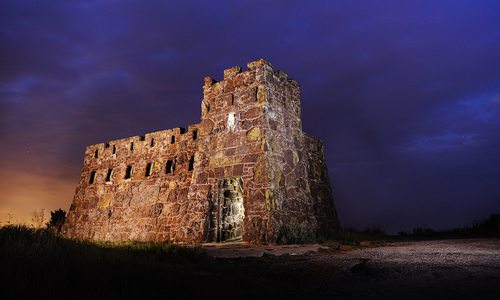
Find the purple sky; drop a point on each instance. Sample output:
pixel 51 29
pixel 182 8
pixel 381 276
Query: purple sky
pixel 404 94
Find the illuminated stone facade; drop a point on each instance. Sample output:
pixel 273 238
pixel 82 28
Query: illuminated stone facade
pixel 243 172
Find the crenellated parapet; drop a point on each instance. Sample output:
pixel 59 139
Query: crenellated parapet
pixel 249 86
pixel 146 157
pixel 127 147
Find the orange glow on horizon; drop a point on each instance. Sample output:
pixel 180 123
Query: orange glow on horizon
pixel 23 193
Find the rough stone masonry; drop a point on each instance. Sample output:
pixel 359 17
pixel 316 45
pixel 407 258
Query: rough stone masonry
pixel 242 173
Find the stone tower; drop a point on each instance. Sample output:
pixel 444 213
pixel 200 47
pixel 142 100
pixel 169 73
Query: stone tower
pixel 242 173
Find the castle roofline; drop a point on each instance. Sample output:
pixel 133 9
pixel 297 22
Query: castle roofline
pixel 160 135
pixel 251 66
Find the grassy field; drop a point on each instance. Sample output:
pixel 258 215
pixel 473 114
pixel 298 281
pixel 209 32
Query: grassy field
pixel 39 263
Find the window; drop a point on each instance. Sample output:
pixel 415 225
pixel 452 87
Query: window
pixel 169 168
pixel 114 149
pixel 109 175
pixel 92 177
pixel 132 146
pixel 142 138
pixel 96 153
pixel 152 142
pixel 230 122
pixel 173 140
pixel 148 170
pixel 191 164
pixel 195 134
pixel 128 172
pixel 107 145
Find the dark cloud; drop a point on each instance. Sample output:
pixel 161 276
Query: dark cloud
pixel 405 95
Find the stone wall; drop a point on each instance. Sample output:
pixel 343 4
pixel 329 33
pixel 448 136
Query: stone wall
pixel 145 206
pixel 250 131
pixel 319 184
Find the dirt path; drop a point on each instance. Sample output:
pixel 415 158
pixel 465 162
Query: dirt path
pixel 235 250
pixel 444 269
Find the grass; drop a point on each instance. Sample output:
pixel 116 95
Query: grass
pixel 40 262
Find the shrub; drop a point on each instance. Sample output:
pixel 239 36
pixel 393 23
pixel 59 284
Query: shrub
pixel 57 219
pixel 295 234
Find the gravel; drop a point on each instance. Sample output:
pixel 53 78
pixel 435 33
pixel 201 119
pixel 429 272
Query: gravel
pixel 441 269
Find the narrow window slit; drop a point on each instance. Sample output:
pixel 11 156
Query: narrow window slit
pixel 128 172
pixel 148 170
pixel 173 140
pixel 96 153
pixel 92 177
pixel 114 149
pixel 132 146
pixel 191 164
pixel 195 134
pixel 230 122
pixel 109 174
pixel 152 142
pixel 168 170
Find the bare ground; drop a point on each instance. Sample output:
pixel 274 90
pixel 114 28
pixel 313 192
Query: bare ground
pixel 443 269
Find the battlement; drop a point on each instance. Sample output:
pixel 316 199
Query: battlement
pixel 260 66
pixel 143 143
pixel 260 91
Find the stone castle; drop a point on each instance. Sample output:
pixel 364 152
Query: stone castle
pixel 242 173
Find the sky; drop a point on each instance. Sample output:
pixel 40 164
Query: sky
pixel 404 94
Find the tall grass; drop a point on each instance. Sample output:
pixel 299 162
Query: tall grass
pixel 38 261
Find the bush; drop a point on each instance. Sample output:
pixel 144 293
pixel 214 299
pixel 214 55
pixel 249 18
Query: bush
pixel 295 234
pixel 57 219
pixel 482 228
